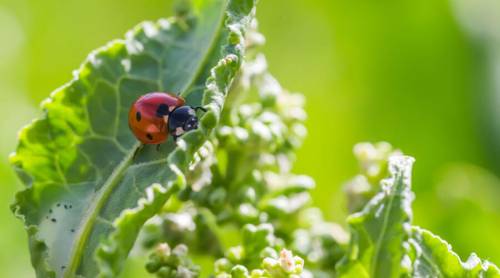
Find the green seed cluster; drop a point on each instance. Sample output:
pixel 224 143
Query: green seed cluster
pixel 171 263
pixel 258 252
pixel 250 166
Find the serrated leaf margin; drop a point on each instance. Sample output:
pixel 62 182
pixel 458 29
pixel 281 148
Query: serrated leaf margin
pixel 472 267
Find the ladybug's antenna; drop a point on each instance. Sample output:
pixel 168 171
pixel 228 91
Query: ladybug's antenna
pixel 199 108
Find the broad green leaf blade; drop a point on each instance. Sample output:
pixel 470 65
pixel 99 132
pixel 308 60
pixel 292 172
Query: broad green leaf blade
pixel 78 161
pixel 434 258
pixel 380 232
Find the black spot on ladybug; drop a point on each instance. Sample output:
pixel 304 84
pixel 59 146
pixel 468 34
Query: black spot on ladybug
pixel 162 110
pixel 53 220
pixel 138 116
pixel 150 137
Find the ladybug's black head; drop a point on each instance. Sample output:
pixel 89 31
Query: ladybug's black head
pixel 181 120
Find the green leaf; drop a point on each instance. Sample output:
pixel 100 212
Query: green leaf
pixel 380 232
pixel 434 258
pixel 87 178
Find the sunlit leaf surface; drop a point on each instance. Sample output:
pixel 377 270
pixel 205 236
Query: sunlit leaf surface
pixel 379 233
pixel 87 178
pixel 434 258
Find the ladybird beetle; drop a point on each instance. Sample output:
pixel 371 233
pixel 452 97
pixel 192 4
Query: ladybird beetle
pixel 155 115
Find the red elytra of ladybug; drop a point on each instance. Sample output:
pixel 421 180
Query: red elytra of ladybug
pixel 148 116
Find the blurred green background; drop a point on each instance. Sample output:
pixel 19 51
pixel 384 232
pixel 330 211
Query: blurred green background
pixel 418 74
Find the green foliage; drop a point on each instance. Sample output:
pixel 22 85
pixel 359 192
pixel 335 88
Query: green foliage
pixel 434 258
pixel 380 232
pixel 92 189
pixel 86 177
pixel 385 244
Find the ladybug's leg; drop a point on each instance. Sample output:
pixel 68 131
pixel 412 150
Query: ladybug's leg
pixel 158 147
pixel 141 146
